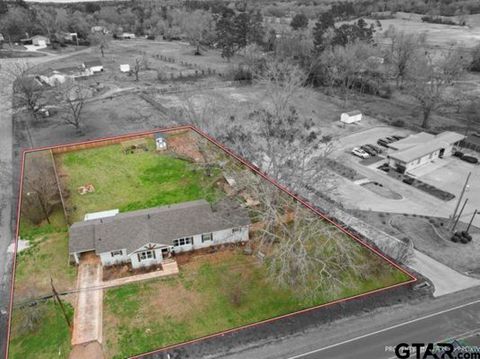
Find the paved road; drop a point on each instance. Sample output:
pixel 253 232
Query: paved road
pixel 372 336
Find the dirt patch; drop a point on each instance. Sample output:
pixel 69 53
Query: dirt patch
pixel 381 190
pixel 185 145
pixel 126 270
pixel 200 256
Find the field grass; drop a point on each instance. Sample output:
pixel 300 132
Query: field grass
pixel 131 182
pixel 47 257
pixel 49 338
pixel 213 293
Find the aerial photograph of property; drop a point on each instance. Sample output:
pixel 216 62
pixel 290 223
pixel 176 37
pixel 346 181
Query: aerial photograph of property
pixel 239 179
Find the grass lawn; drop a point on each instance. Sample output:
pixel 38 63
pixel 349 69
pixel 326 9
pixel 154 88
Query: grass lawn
pixel 213 292
pixel 49 336
pixel 46 257
pixel 131 182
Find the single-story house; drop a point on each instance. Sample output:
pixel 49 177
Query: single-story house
pixel 422 148
pixel 40 40
pixel 98 28
pixel 93 66
pixel 160 141
pixel 472 142
pixel 351 117
pixel 126 35
pixel 145 237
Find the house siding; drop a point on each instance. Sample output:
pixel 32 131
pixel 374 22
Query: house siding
pixel 148 262
pixel 218 237
pixel 108 260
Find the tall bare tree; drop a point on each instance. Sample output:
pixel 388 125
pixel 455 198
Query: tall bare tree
pixel 431 78
pixel 40 190
pixel 141 63
pixel 101 41
pixel 27 90
pixel 73 95
pixel 403 51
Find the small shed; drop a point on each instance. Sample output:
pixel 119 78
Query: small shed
pixel 136 145
pixel 160 141
pixel 351 117
pixel 93 65
pixel 125 68
pixel 127 35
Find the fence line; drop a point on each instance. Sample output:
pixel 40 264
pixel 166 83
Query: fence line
pixel 57 179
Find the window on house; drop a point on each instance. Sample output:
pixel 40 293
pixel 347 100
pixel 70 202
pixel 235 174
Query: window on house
pixel 182 241
pixel 207 237
pixel 116 253
pixel 235 230
pixel 142 256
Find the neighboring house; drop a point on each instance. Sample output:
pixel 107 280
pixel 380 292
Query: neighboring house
pixel 69 36
pixel 93 66
pixel 422 148
pixel 126 35
pixel 148 236
pixel 101 29
pixel 40 40
pixel 351 117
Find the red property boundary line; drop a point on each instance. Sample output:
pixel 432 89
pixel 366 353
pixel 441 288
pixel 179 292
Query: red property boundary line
pixel 254 170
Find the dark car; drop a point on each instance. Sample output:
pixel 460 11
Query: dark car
pixel 391 139
pixel 377 149
pixel 383 143
pixel 408 180
pixel 458 154
pixel 398 138
pixel 469 159
pixel 368 150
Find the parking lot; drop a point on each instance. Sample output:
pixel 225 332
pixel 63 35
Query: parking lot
pixel 447 174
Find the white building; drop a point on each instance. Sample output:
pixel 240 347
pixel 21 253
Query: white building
pixel 422 148
pixel 351 117
pixel 160 141
pixel 93 66
pixel 125 68
pixel 146 237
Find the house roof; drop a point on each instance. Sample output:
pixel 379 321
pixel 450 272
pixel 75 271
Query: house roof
pixel 473 139
pixel 412 150
pixel 353 113
pixel 92 63
pixel 412 140
pixel 161 225
pixel 39 37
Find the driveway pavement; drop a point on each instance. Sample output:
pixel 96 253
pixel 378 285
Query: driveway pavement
pixel 444 279
pixel 87 321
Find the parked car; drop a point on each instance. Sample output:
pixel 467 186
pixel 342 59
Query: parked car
pixel 469 159
pixel 360 153
pixel 377 149
pixel 382 142
pixel 368 150
pixel 385 167
pixel 408 180
pixel 458 154
pixel 391 139
pixel 398 138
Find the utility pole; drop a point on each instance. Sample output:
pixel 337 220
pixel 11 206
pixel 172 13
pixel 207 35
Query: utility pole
pixel 474 214
pixel 57 297
pixel 460 214
pixel 460 199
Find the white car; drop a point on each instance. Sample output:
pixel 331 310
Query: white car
pixel 360 153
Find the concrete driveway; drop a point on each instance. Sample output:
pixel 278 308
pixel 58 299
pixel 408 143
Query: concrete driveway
pixel 87 321
pixel 444 279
